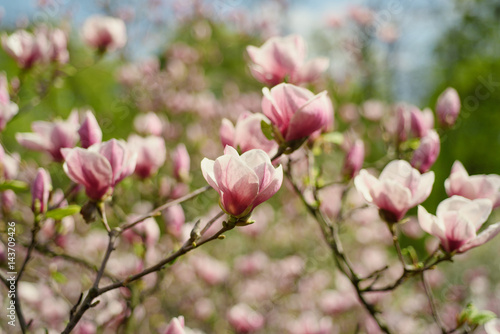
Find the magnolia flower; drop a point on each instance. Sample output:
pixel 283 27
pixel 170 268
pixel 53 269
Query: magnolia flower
pixel 398 188
pixel 100 167
pixel 8 109
pixel 492 326
pixel 40 191
pixel 148 124
pixel 473 187
pixel 457 221
pixel 243 182
pixel 426 154
pixel 53 43
pixel 281 57
pixel 244 319
pixel 51 137
pixel 181 162
pixel 25 48
pixel 448 107
pixel 296 111
pixel 354 159
pixel 174 220
pixel 104 33
pixel 413 121
pixel 90 132
pixel 247 134
pixel 151 154
pixel 176 326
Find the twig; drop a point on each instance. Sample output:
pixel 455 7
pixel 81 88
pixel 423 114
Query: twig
pixel 432 303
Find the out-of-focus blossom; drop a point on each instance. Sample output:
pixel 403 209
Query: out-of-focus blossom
pixel 373 110
pixel 51 137
pixel 243 182
pixel 398 189
pixel 492 326
pixel 181 162
pixel 40 191
pixel 312 323
pixel 247 134
pixel 426 154
pixel 354 159
pixel 8 109
pixel 100 167
pixel 26 48
pixel 361 15
pixel 296 111
pixel 244 319
pixel 284 57
pixel 55 42
pixel 388 33
pixel 147 230
pixel 9 165
pixel 174 220
pixel 104 33
pixel 448 107
pixel 151 154
pixel 90 132
pixel 412 121
pixel 176 326
pixel 473 187
pixel 85 327
pixel 148 124
pixel 210 270
pixel 349 112
pixel 457 222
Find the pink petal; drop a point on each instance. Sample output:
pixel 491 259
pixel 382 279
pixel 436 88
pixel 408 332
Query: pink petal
pixel 227 133
pixel 482 238
pixel 423 189
pixel 207 169
pixel 429 223
pixel 392 197
pixel 366 183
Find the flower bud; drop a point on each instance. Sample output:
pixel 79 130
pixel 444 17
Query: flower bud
pixel 181 162
pixel 245 320
pixel 40 191
pixel 148 124
pixel 90 132
pixel 428 151
pixel 174 220
pixel 448 107
pixel 354 159
pixel 23 47
pixel 176 326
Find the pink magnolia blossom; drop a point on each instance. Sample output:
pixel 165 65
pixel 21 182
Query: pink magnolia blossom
pixel 146 231
pixel 296 111
pixel 457 222
pixel 282 57
pixel 243 182
pixel 8 109
pixel 90 132
pixel 100 167
pixel 354 159
pixel 492 326
pixel 473 187
pixel 25 48
pixel 54 44
pixel 174 220
pixel 176 326
pixel 210 270
pixel 247 134
pixel 427 153
pixel 104 33
pixel 413 121
pixel 181 162
pixel 40 191
pixel 245 320
pixel 51 137
pixel 148 124
pixel 398 188
pixel 448 107
pixel 151 154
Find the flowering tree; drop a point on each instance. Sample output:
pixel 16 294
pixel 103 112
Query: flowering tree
pixel 323 213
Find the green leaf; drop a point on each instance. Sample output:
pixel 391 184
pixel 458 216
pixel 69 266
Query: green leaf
pixel 267 130
pixel 60 213
pixel 58 277
pixel 481 317
pixel 14 185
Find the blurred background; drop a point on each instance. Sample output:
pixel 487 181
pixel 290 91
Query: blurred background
pixel 186 61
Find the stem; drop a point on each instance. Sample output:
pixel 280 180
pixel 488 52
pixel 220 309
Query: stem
pixel 102 211
pixel 432 303
pixel 397 246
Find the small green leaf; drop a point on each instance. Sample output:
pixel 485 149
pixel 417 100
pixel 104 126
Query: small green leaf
pixel 481 317
pixel 267 130
pixel 60 213
pixel 14 185
pixel 58 277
